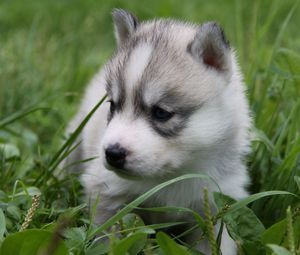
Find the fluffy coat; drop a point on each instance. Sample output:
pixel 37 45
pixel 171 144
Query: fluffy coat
pixel 176 105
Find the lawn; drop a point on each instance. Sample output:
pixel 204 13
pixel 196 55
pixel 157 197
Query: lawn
pixel 50 49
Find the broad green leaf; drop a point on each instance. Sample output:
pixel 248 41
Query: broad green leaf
pixel 169 246
pixel 275 233
pixel 9 151
pixel 133 243
pixel 279 250
pixel 29 137
pixel 2 224
pixel 14 212
pixel 131 220
pixel 253 248
pixel 31 242
pixel 242 224
pixel 75 238
pixel 3 195
pixel 99 249
pixel 78 234
pixel 30 191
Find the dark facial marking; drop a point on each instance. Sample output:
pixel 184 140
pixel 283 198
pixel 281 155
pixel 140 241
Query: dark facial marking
pixel 161 114
pixel 111 112
pixel 172 118
pixel 115 79
pixel 174 125
pixel 121 97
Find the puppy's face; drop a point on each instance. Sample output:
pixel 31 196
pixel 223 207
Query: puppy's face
pixel 166 101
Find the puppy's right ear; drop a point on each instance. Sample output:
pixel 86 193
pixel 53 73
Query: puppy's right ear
pixel 210 47
pixel 125 24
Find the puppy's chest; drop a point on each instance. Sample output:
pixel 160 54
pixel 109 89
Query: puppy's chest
pixel 187 194
pixel 167 208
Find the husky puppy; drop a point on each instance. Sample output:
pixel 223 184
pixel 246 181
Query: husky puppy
pixel 176 105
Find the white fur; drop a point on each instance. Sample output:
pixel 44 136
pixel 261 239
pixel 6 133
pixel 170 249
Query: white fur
pixel 213 142
pixel 138 61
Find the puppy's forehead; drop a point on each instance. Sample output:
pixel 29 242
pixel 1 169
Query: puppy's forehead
pixel 138 60
pixel 153 63
pixel 152 41
pixel 148 68
pixel 126 72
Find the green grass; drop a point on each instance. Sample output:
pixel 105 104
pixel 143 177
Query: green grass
pixel 48 52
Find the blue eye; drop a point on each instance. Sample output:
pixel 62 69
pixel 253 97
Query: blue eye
pixel 161 114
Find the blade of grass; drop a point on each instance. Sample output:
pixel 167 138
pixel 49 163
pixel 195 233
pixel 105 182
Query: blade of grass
pixel 19 115
pixel 255 197
pixel 141 199
pixel 280 33
pixel 62 153
pixel 75 134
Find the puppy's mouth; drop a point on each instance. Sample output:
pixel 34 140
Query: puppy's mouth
pixel 122 172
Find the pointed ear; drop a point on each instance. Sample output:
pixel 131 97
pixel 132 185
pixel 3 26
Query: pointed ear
pixel 125 24
pixel 210 47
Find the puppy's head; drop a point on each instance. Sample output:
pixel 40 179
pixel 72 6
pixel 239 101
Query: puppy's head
pixel 166 87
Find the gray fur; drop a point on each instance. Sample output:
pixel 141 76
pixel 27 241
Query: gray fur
pixel 125 24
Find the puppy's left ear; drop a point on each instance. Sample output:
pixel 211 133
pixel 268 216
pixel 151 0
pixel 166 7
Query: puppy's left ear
pixel 125 24
pixel 210 47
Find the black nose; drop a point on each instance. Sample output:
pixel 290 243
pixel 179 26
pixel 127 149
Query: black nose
pixel 115 155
